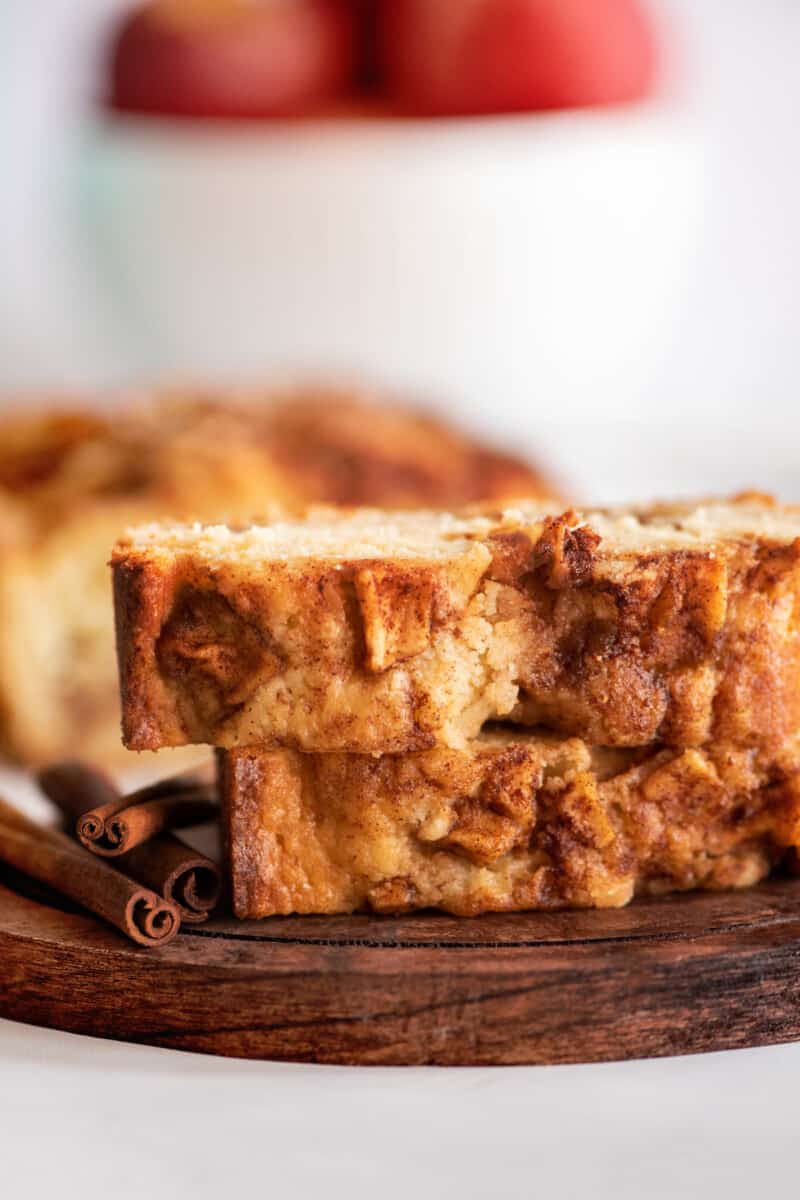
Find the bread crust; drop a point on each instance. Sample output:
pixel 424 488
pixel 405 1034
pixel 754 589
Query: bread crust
pixel 622 631
pixel 511 822
pixel 71 482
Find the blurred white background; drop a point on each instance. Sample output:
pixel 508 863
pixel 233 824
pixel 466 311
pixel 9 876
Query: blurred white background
pixel 664 361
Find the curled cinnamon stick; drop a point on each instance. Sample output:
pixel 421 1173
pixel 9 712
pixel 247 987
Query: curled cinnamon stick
pixel 133 824
pixel 50 857
pixel 186 878
pixel 113 824
pixel 164 863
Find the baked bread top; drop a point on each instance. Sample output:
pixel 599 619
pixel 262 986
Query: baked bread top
pixel 370 631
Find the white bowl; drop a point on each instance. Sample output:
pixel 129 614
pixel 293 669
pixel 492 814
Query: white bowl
pixel 510 264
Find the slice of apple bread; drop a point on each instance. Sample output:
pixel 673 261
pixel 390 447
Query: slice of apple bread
pixel 370 631
pixel 515 820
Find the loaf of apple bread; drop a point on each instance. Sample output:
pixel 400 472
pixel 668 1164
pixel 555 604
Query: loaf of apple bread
pixel 369 631
pixel 512 821
pixel 71 482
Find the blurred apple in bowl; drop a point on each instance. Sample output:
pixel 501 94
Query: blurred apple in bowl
pixel 267 58
pixel 510 260
pixel 498 56
pixel 233 58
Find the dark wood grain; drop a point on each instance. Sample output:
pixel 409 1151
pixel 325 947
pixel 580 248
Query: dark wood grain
pixel 673 976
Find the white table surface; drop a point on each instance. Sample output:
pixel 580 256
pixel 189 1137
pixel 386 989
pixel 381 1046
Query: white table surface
pixel 81 1117
pixel 91 1118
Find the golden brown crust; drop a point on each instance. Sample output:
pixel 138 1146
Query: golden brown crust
pixel 71 482
pixel 621 633
pixel 511 822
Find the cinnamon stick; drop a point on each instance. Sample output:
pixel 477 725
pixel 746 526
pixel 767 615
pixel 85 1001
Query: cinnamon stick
pixel 51 857
pixel 164 863
pixel 115 824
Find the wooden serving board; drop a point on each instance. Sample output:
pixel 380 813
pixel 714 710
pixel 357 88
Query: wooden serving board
pixel 672 976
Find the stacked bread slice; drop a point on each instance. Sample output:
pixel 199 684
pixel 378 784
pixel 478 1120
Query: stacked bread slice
pixel 353 666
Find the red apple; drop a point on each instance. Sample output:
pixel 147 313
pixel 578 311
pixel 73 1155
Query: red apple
pixel 493 56
pixel 233 58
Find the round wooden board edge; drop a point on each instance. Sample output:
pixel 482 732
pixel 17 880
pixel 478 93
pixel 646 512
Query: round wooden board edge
pixel 309 999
